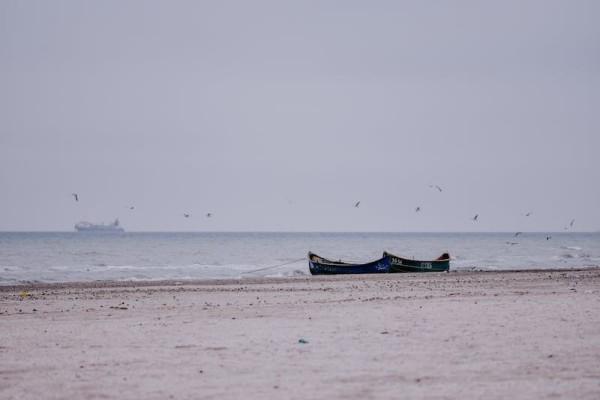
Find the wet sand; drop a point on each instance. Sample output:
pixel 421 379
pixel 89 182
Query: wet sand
pixel 470 335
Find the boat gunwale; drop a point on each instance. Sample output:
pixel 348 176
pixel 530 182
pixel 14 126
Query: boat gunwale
pixel 325 261
pixel 388 254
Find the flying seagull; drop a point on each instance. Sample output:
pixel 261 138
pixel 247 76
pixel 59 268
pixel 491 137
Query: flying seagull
pixel 417 209
pixel 75 196
pixel 529 213
pixel 518 233
pixel 208 215
pixel 512 243
pixel 437 187
pixel 186 215
pixel 571 223
pixel 548 237
pixel 357 204
pixel 132 207
pixel 475 217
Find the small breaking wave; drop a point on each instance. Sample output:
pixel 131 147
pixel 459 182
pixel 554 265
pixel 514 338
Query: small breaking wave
pixel 575 248
pixel 574 255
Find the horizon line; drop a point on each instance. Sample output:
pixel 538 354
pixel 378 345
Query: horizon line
pixel 283 231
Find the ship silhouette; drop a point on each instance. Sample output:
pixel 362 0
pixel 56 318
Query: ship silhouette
pixel 84 226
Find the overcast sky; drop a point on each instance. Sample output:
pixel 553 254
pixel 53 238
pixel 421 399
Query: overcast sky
pixel 280 115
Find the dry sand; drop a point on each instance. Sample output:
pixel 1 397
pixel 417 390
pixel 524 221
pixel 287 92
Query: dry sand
pixel 518 335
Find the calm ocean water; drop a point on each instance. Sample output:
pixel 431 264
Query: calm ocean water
pixel 64 257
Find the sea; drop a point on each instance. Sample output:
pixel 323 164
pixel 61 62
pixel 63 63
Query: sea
pixel 29 257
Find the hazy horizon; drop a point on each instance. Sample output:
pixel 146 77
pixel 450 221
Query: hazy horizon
pixel 280 117
pixel 511 233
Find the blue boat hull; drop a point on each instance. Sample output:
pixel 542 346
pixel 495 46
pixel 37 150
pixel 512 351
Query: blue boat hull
pixel 322 266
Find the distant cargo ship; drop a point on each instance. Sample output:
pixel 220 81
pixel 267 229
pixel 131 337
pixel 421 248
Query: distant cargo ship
pixel 108 228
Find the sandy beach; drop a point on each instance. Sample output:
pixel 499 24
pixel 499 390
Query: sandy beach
pixel 467 335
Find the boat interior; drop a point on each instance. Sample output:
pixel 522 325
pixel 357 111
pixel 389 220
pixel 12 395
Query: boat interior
pixel 320 260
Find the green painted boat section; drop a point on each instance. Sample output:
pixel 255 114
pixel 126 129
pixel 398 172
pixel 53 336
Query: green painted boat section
pixel 401 264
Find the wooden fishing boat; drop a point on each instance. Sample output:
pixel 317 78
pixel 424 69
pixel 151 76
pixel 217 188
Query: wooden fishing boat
pixel 322 266
pixel 401 264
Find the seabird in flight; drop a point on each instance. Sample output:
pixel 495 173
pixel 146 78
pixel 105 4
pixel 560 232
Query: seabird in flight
pixel 186 215
pixel 208 215
pixel 417 209
pixel 76 196
pixel 518 233
pixel 475 217
pixel 357 204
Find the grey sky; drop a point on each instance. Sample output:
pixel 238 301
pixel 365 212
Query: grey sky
pixel 281 115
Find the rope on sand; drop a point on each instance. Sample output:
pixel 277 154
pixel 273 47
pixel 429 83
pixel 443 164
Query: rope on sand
pixel 275 266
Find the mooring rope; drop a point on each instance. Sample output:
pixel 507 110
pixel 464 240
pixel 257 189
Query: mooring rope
pixel 275 266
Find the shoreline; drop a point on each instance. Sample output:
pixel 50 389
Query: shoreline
pixel 263 280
